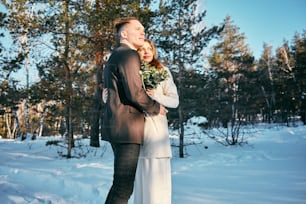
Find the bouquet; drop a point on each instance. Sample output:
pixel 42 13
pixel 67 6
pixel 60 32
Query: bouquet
pixel 151 76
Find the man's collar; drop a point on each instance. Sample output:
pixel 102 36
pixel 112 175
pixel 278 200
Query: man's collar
pixel 127 44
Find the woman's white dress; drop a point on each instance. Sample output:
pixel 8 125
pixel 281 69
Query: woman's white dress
pixel 153 175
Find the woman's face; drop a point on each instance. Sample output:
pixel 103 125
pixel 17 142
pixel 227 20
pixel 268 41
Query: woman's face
pixel 146 52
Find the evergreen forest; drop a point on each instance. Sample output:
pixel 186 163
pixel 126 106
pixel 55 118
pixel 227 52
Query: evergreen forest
pixel 67 43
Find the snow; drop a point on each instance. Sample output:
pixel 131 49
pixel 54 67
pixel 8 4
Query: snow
pixel 271 168
pixel 198 120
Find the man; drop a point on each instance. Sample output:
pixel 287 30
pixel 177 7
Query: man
pixel 127 102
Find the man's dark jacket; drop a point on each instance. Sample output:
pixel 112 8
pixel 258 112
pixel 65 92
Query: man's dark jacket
pixel 127 101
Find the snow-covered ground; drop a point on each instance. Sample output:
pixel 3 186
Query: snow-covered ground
pixel 271 168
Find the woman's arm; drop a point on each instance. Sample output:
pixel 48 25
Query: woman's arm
pixel 169 96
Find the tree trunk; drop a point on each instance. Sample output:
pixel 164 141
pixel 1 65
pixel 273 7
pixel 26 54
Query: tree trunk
pixel 38 131
pixel 8 125
pixel 96 112
pixel 18 126
pixel 70 131
pixel 69 88
pixel 181 147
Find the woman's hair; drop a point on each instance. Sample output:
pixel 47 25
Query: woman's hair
pixel 155 61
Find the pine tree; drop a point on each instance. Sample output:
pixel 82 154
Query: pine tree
pixel 182 36
pixel 10 94
pixel 232 61
pixel 266 67
pixel 299 55
pixel 291 78
pixel 284 82
pixel 65 73
pixel 22 28
pixel 100 21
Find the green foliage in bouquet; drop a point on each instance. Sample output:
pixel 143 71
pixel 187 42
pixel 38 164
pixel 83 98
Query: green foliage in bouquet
pixel 151 76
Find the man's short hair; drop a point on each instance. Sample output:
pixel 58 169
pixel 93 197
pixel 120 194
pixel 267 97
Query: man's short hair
pixel 119 23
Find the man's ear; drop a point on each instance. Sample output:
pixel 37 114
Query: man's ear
pixel 123 34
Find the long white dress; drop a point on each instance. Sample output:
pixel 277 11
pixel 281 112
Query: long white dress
pixel 153 175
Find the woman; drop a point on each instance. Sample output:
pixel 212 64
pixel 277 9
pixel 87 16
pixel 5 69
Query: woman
pixel 153 175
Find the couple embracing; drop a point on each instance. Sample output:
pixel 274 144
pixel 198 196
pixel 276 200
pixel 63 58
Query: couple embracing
pixel 135 121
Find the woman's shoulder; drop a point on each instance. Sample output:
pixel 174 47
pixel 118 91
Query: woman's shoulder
pixel 167 69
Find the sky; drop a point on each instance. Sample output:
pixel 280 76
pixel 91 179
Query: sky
pixel 269 169
pixel 269 21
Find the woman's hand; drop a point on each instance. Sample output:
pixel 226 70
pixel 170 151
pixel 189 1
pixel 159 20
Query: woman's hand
pixel 104 96
pixel 163 110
